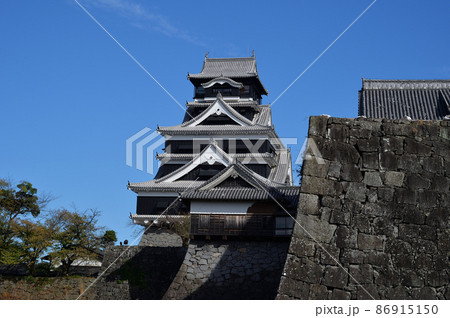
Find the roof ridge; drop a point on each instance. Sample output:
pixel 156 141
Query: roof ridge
pixel 231 58
pixel 405 84
pixel 226 105
pixel 212 143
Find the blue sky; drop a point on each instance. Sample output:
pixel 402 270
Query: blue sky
pixel 70 97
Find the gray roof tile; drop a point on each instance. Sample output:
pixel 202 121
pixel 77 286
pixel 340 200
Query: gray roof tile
pixel 228 67
pixel 395 99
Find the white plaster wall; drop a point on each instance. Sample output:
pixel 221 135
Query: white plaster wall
pixel 207 207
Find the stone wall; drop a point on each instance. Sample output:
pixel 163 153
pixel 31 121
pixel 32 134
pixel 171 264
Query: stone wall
pixel 160 237
pixel 229 270
pixel 137 272
pixel 35 288
pixel 374 214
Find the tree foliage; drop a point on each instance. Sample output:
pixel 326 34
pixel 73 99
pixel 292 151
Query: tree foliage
pixel 64 235
pixel 35 238
pixel 76 236
pixel 109 238
pixel 14 204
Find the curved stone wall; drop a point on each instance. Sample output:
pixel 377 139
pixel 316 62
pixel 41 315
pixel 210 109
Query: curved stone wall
pixel 229 270
pixel 374 213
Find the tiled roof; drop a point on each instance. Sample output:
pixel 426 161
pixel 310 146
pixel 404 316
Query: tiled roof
pixel 221 80
pixel 231 103
pixel 228 67
pixel 280 172
pixel 215 130
pixel 264 117
pixel 189 156
pixel 175 186
pixel 396 99
pixel 196 158
pixel 226 106
pixel 241 193
pixel 237 67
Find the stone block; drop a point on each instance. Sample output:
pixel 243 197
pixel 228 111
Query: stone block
pixel 370 160
pixel 388 161
pixel 352 256
pixel 438 218
pixel 373 209
pixel 362 223
pixel 367 292
pixel 409 214
pixel 440 184
pixel 308 203
pixel 372 195
pixel 318 126
pixel 409 163
pixel 412 232
pixel 356 191
pixel 309 272
pixel 301 247
pixel 329 254
pixel 339 133
pixel 393 178
pixel 320 186
pixel 339 294
pixel 373 179
pixel 334 169
pixel 340 217
pixel 335 276
pixel 433 164
pixel 371 144
pixel 392 143
pixel 379 259
pixel 397 293
pixel 293 288
pixel 313 168
pixel 414 147
pixel 339 151
pixel 383 226
pixel 331 202
pixel 385 194
pixel 317 292
pixel 351 172
pixel 414 182
pixel 427 199
pixel 411 279
pixel 346 237
pixel 361 274
pixel 405 196
pixel 370 242
pixel 319 230
pixel 424 293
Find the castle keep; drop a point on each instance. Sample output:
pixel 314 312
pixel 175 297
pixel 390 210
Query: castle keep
pixel 224 165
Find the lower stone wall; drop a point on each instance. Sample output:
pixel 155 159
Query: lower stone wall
pixel 373 218
pixel 229 270
pixel 160 237
pixel 46 288
pixel 137 272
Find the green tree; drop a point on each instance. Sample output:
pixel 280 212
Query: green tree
pixel 13 205
pixel 34 238
pixel 76 236
pixel 109 238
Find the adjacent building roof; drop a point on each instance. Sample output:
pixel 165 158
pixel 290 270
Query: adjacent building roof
pixel 396 99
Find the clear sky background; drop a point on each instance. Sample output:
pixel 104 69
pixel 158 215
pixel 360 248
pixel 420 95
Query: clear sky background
pixel 70 97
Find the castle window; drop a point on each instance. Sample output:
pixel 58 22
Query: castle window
pixel 223 91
